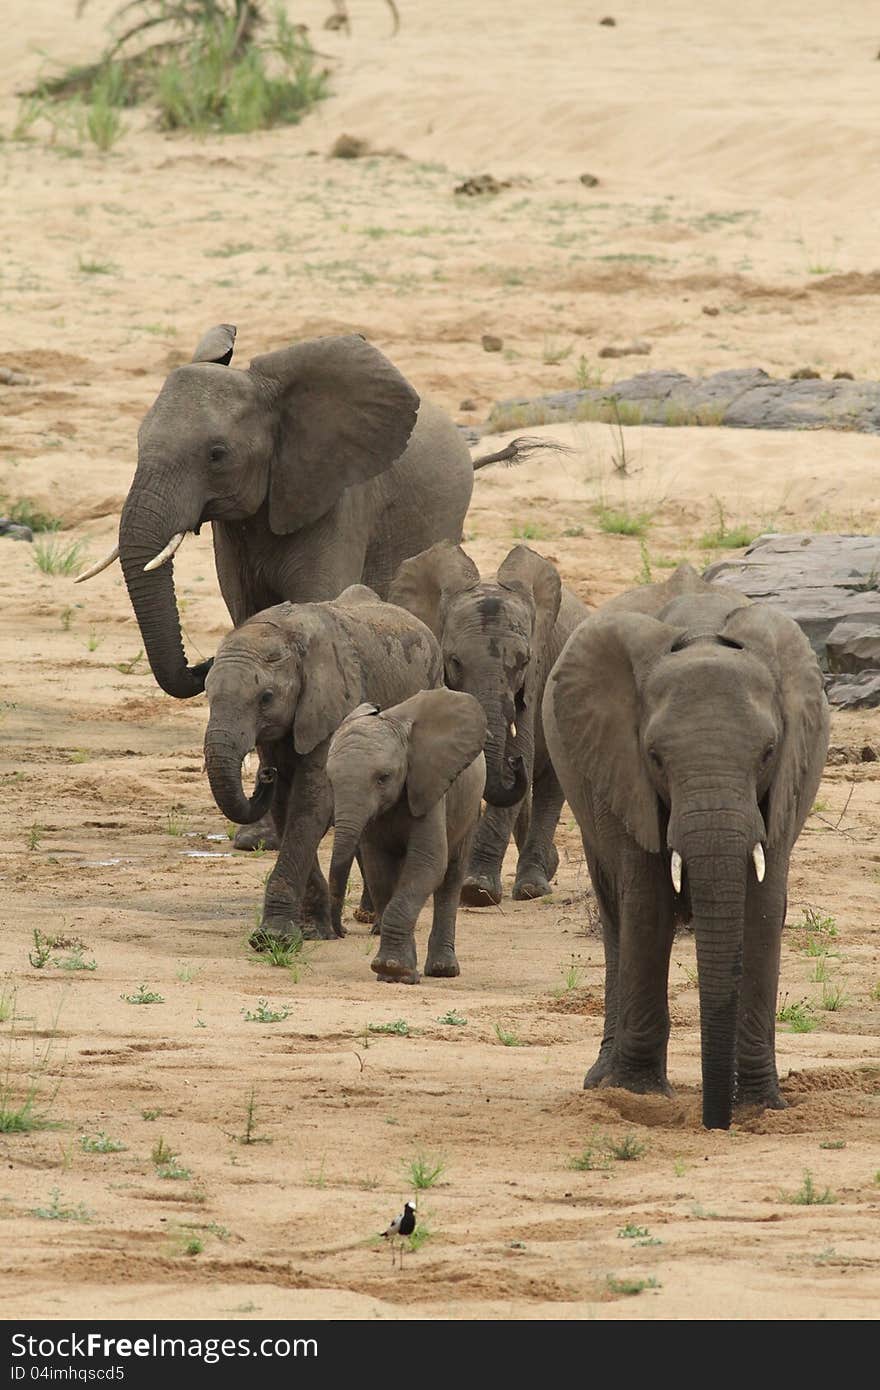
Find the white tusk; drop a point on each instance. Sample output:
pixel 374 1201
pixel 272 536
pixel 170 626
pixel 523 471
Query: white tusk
pixel 675 870
pixel 165 554
pixel 758 859
pixel 512 729
pixel 101 565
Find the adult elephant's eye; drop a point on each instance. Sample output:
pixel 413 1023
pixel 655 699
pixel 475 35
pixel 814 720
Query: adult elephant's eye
pixel 768 754
pixel 266 698
pixel 655 758
pixel 219 453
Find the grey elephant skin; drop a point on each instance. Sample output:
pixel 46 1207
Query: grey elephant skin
pixel 284 681
pixel 689 729
pixel 407 784
pixel 499 637
pixel 317 466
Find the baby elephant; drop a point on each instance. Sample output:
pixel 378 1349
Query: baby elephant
pixel 407 784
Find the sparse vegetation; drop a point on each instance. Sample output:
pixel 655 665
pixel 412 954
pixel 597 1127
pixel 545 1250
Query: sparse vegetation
pixel 725 537
pixel 289 954
pixel 507 1038
pixel 626 1149
pixel 798 1014
pixel 250 1135
pixel 24 512
pixel 834 997
pixel 453 1019
pixel 53 556
pixel 603 1149
pixel 264 1013
pixel 42 952
pixel 631 1286
pixel 57 1210
pixel 399 1028
pixel 100 1143
pixel 808 1194
pixel 529 531
pixel 142 995
pixel 619 521
pixel 424 1172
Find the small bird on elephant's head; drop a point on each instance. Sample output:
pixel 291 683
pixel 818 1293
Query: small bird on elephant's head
pixel 402 1225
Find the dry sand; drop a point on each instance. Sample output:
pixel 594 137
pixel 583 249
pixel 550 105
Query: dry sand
pixel 736 148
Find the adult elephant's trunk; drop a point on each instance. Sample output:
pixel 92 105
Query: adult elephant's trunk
pixel 716 862
pixel 507 779
pixel 146 526
pixel 224 754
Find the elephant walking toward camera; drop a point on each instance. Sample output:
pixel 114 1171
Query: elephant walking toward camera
pixel 689 729
pixel 499 638
pixel 407 784
pixel 284 681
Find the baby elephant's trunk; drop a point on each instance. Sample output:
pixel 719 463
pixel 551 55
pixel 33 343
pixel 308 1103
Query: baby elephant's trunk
pixel 223 760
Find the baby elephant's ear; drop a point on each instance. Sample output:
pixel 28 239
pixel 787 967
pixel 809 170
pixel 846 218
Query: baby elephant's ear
pixel 448 731
pixel 216 345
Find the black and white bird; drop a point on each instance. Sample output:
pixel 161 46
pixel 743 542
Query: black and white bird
pixel 402 1225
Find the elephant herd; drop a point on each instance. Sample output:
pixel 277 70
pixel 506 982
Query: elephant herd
pixel 391 689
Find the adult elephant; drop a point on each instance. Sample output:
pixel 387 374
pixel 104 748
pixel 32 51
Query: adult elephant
pixel 317 466
pixel 689 728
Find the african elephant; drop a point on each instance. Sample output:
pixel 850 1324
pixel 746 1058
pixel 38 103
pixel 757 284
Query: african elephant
pixel 284 681
pixel 407 784
pixel 317 467
pixel 499 638
pixel 689 729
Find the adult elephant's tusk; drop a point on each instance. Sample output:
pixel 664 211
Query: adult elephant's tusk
pixel 101 565
pixel 166 554
pixel 758 860
pixel 675 870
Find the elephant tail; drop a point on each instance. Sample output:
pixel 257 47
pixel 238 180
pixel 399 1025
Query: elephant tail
pixel 520 450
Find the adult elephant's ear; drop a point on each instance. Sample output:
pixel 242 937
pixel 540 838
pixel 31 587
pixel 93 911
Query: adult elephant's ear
pixel 216 345
pixel 330 679
pixel 595 693
pixel 447 731
pixel 342 413
pixel 525 567
pixel 423 583
pixel 800 757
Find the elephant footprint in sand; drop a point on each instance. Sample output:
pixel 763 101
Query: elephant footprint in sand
pixel 283 682
pixel 689 729
pixel 407 784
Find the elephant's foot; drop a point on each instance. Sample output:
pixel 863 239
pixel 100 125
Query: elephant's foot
pixel 758 1094
pixel 531 884
pixel 643 1080
pixel 261 835
pixel 601 1067
pixel 481 890
pixel 442 964
pixel 395 963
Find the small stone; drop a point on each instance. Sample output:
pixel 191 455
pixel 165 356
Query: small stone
pixel 636 349
pixel 710 311
pixel 868 754
pixel 843 376
pixel 491 343
pixel 10 377
pixel 468 404
pixel 479 185
pixel 14 530
pixel 589 180
pixel 349 147
pixel 806 374
pixel 609 21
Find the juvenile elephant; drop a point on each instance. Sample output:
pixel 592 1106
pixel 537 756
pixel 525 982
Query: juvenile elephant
pixel 499 638
pixel 689 729
pixel 284 681
pixel 407 784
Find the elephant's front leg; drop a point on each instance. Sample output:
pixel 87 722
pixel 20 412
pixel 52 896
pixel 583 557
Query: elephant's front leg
pixel 482 885
pixel 441 960
pixel 422 869
pixel 539 859
pixel 297 901
pixel 757 1078
pixel 636 1059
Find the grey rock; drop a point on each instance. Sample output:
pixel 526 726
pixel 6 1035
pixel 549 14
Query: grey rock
pixel 830 585
pixel 743 398
pixel 14 530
